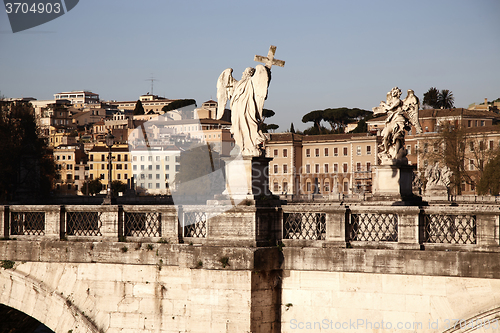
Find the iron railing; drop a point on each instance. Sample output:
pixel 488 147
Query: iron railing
pixel 304 226
pixel 451 229
pixel 142 224
pixel 195 224
pixel 27 223
pixel 374 227
pixel 83 223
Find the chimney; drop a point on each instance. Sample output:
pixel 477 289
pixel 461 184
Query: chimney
pixel 485 101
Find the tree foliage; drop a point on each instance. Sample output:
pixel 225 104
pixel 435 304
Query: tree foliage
pixel 177 104
pixel 314 116
pixel 92 187
pixel 25 161
pixel 265 128
pixel 292 128
pixel 436 99
pixel 490 180
pixel 118 186
pixel 139 109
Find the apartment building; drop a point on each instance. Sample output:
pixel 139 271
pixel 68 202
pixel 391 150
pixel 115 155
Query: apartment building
pixel 154 168
pixel 79 98
pixel 70 165
pixel 149 103
pixel 321 164
pixel 121 163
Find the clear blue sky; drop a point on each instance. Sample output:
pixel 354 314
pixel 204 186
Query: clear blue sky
pixel 337 53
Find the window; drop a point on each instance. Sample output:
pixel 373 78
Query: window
pixel 275 187
pixel 177 168
pixel 471 146
pixel 150 176
pixel 327 186
pixel 166 176
pixel 335 151
pixel 275 152
pixel 177 159
pixel 491 145
pixel 119 157
pixel 335 167
pixel 469 123
pixel 101 176
pixel 150 158
pixel 142 158
pixel 150 167
pixel 316 152
pixel 102 157
pixel 119 176
pixel 125 158
pixel 134 167
pixel 368 150
pixel 308 152
pixel 308 168
pixel 326 152
pixel 285 186
pixel 142 167
pixel 285 168
pixel 157 176
pixel 471 165
pixel 368 166
pixel 275 168
pixel 157 185
pixel 91 167
pixel 308 186
pixel 316 168
pixel 482 123
pixel 157 158
pixel 158 167
pixel 167 167
pixel 325 168
pixel 285 152
pixel 345 151
pixel 358 150
pixel 346 186
pixel 167 158
pixel 91 157
pixel 408 149
pixel 125 176
pixel 344 166
pixel 150 185
pixel 358 166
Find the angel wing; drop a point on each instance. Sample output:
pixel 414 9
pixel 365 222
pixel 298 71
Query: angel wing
pixel 260 82
pixel 411 105
pixel 225 86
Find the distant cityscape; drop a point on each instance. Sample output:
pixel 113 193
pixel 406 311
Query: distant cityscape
pixel 149 138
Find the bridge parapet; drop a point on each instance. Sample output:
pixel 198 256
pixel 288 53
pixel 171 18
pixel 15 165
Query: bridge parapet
pixel 444 227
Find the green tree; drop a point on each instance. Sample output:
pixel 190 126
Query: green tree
pixel 139 109
pixel 177 104
pixel 490 180
pixel 265 128
pixel 338 118
pixel 446 99
pixel 26 164
pixel 314 116
pixel 431 98
pixel 292 129
pixel 118 186
pixel 92 187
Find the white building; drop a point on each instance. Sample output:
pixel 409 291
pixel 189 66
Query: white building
pixel 154 168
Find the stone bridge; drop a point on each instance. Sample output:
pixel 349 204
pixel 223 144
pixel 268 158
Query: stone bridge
pixel 257 267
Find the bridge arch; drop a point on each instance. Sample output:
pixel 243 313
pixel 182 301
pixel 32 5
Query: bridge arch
pixel 35 299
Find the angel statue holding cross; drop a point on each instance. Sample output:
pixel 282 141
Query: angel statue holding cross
pixel 247 102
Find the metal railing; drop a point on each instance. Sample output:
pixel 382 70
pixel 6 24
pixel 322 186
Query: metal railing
pixel 142 224
pixel 451 229
pixel 27 223
pixel 373 227
pixel 195 224
pixel 83 223
pixel 310 226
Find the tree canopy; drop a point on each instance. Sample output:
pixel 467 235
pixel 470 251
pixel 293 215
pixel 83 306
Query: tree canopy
pixel 139 109
pixel 25 162
pixel 265 128
pixel 490 180
pixel 436 99
pixel 337 118
pixel 177 104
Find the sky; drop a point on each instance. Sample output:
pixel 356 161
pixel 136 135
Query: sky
pixel 337 53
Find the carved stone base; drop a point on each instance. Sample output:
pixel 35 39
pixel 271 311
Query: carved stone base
pixel 393 183
pixel 247 177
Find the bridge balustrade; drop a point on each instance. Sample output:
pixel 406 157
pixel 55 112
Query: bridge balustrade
pixel 466 227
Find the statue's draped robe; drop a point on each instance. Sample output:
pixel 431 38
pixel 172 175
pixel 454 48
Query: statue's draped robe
pixel 244 118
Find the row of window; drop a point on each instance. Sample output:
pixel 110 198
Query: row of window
pixel 103 176
pixel 326 151
pixel 115 166
pixel 63 157
pixel 326 168
pixel 104 157
pixel 156 158
pixel 309 186
pixel 150 176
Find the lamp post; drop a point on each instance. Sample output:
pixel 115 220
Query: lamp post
pixel 109 143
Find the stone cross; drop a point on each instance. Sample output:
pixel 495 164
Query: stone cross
pixel 269 60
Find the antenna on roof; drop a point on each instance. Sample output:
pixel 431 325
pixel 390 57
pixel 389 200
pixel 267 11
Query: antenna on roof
pixel 152 79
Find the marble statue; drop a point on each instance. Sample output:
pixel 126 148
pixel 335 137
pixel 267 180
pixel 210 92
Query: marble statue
pixel 400 116
pixel 247 102
pixel 437 176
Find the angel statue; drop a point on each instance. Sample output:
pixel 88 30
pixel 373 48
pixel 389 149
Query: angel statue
pixel 247 101
pixel 400 116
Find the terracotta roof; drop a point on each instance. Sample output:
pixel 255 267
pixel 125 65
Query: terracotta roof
pixel 335 137
pixel 284 137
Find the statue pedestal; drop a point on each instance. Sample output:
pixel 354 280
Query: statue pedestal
pixel 393 183
pixel 247 177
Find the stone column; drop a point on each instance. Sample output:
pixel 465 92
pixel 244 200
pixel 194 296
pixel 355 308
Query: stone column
pixel 109 218
pixel 408 227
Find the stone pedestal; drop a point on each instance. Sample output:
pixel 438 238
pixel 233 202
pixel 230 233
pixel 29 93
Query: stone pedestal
pixel 393 182
pixel 247 177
